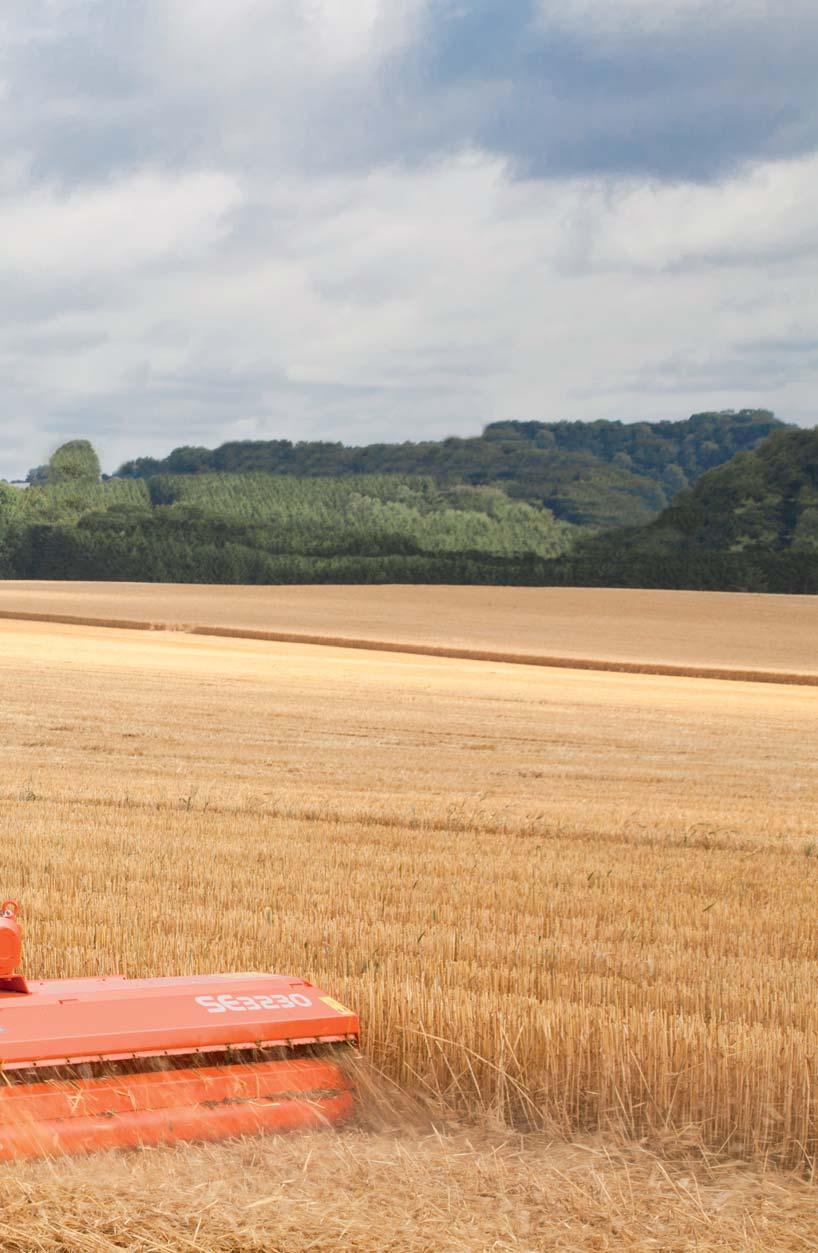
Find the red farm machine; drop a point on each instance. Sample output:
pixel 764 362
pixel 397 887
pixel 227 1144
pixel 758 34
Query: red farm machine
pixel 101 1063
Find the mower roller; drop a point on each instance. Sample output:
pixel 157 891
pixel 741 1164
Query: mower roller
pixel 90 1064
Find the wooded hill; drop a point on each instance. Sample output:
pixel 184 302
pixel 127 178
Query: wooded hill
pixel 264 528
pixel 597 474
pixel 750 523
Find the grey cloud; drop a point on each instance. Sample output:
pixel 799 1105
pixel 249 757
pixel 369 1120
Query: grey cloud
pixel 48 339
pixel 732 371
pixel 776 345
pixel 320 296
pixel 689 99
pixel 155 419
pixel 102 87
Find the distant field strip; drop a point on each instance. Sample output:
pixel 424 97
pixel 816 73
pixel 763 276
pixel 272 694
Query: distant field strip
pixel 730 674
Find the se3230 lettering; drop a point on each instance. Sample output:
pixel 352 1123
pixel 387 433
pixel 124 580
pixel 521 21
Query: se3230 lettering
pixel 226 1003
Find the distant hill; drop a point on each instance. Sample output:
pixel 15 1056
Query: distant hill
pixel 598 474
pixel 522 504
pixel 265 528
pixel 751 525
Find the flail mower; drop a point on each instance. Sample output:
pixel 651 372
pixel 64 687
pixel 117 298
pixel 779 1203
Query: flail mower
pixel 89 1064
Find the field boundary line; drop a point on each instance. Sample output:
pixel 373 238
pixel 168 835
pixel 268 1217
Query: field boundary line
pixel 557 662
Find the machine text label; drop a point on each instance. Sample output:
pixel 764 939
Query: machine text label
pixel 227 1003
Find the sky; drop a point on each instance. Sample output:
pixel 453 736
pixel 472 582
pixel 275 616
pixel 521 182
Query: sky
pixel 369 220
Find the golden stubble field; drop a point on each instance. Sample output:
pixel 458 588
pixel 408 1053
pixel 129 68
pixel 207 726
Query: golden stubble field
pixel 711 629
pixel 575 905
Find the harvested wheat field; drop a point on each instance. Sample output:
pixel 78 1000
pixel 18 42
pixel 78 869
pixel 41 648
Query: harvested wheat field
pixel 688 630
pixel 575 910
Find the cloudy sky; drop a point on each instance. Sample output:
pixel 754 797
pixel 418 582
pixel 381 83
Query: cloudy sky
pixel 394 219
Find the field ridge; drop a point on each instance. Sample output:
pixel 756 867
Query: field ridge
pixel 561 662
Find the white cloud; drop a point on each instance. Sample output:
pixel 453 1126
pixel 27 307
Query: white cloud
pixel 602 19
pixel 359 28
pixel 766 215
pixel 413 303
pixel 244 219
pixel 120 226
pixel 284 43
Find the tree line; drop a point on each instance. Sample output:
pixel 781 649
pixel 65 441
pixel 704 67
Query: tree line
pixel 598 474
pixel 750 524
pixel 264 528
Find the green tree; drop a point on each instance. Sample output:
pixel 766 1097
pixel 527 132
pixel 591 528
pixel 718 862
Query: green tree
pixel 74 462
pixel 805 534
pixel 9 501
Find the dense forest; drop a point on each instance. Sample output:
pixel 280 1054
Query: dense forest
pixel 589 473
pixel 751 525
pixel 277 513
pixel 264 528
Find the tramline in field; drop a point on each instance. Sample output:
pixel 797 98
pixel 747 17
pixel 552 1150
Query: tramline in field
pixel 114 1063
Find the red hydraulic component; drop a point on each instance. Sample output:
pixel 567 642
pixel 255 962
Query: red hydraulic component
pixel 11 944
pixel 200 1057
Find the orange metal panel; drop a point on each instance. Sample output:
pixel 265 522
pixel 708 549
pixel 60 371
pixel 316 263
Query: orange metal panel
pixel 89 1134
pixel 76 1020
pixel 123 1094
